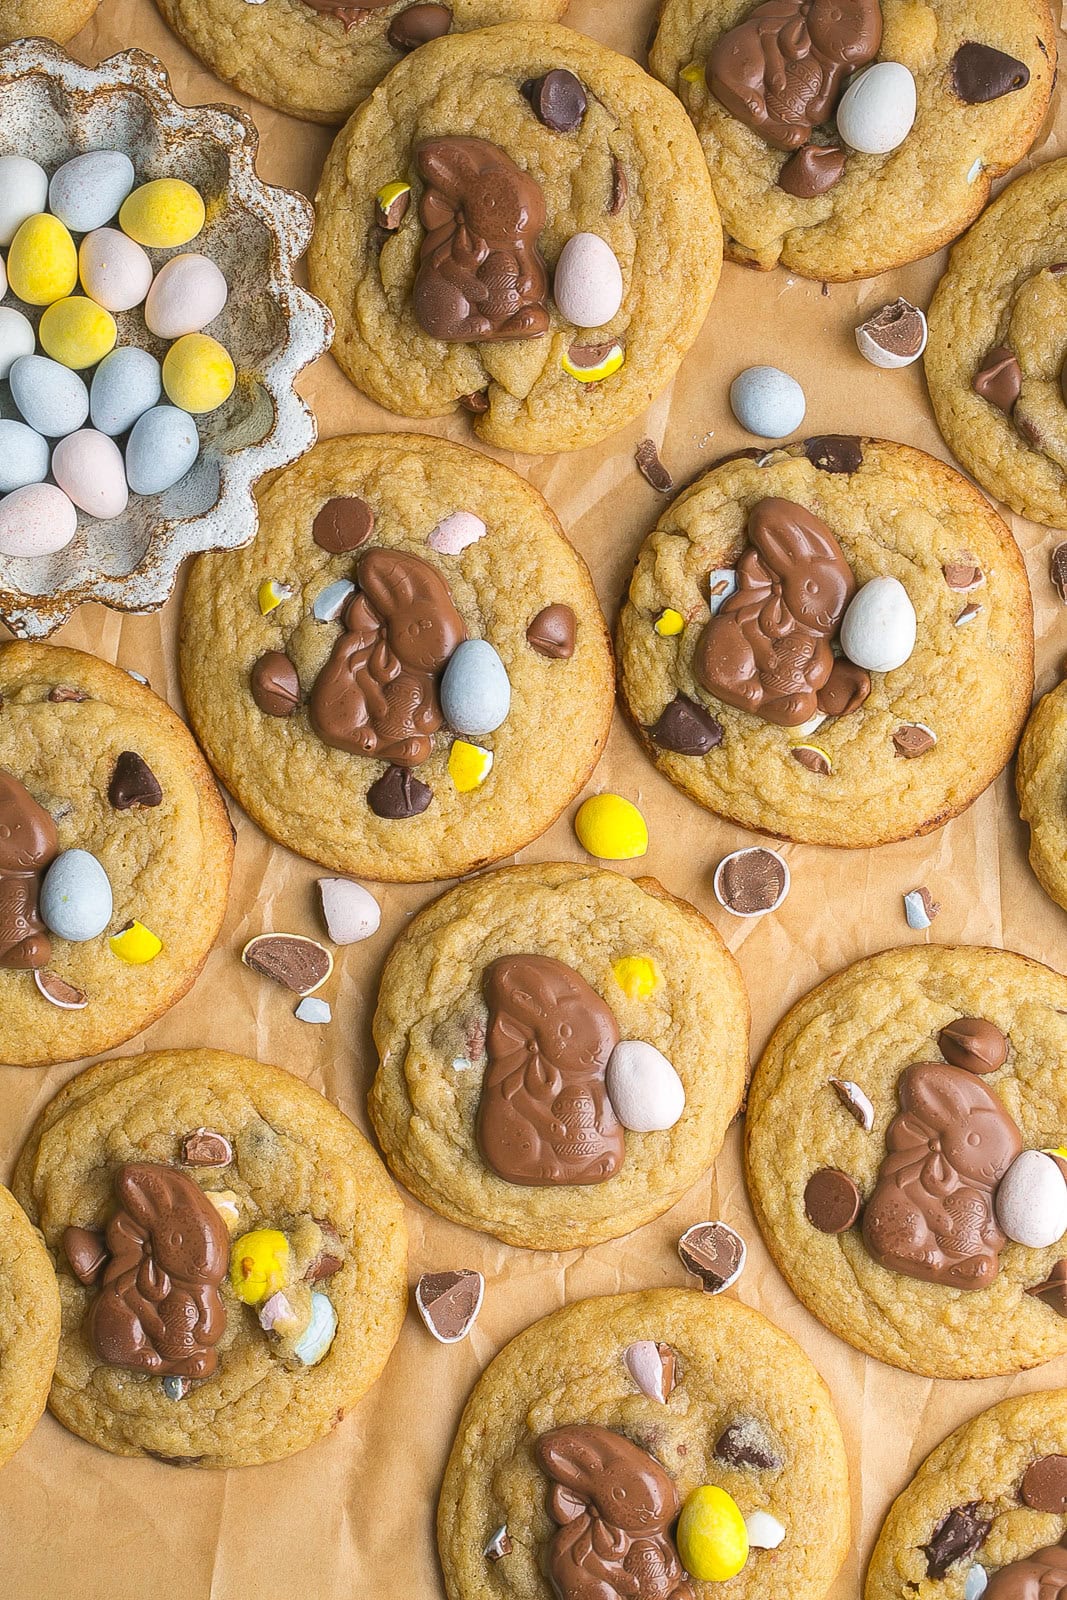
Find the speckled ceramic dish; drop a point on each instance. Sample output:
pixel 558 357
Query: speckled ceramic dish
pixel 51 108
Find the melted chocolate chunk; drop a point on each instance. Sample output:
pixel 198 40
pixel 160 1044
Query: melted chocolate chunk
pixel 831 1200
pixel 398 794
pixel 133 783
pixel 743 1443
pixel 553 632
pixel 343 524
pixel 999 379
pixel 686 728
pixel 275 685
pixel 1044 1485
pixel 835 452
pixel 812 171
pixel 651 467
pixel 418 25
pixel 959 1536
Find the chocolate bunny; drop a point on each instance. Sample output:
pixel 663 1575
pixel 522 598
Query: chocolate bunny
pixel 1042 1576
pixel 481 275
pixel 28 845
pixel 377 694
pixel 782 69
pixel 614 1504
pixel 768 648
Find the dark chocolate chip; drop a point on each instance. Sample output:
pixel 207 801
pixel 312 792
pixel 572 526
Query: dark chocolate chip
pixel 831 1200
pixel 418 25
pixel 620 187
pixel 834 452
pixel 398 794
pixel 62 693
pixel 559 100
pixel 651 467
pixel 324 1266
pixel 973 1044
pixel 812 171
pixel 980 73
pixel 477 403
pixel 686 728
pixel 343 525
pixel 133 783
pixel 742 1443
pixel 275 685
pixel 552 633
pixel 956 1538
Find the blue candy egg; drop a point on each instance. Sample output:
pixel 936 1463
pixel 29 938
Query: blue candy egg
pixel 767 401
pixel 127 383
pixel 475 691
pixel 75 901
pixel 161 449
pixel 88 191
pixel 23 456
pixel 52 399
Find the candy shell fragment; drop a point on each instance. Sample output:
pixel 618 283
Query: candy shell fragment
pixel 764 1531
pixel 592 363
pixel 331 601
pixel 271 594
pixel 136 944
pixel 349 911
pixel 920 909
pixel 58 991
pixel 714 1253
pixel 652 1367
pixel 669 623
pixel 320 1332
pixel 455 532
pixel 312 1010
pixel 391 205
pixel 468 765
pixel 259 1265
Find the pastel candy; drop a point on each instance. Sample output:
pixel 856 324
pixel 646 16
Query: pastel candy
pixel 455 532
pixel 349 911
pixel 879 627
pixel 1032 1200
pixel 643 1087
pixel 23 193
pixel 88 467
pixel 611 828
pixel 475 691
pixel 76 901
pixel 42 264
pixel 115 272
pixel 88 190
pixel 188 293
pixel 77 332
pixel 712 1538
pixel 23 456
pixel 126 384
pixel 768 402
pixel 17 338
pixel 319 1334
pixel 198 373
pixel 877 110
pixel 163 214
pixel 36 521
pixel 588 284
pixel 50 397
pixel 162 447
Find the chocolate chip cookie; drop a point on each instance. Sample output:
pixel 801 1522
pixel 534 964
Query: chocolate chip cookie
pixel 831 642
pixel 29 1326
pixel 231 1257
pixel 987 1507
pixel 904 1158
pixel 1039 780
pixel 838 180
pixel 520 224
pixel 407 674
pixel 573 1456
pixel 44 19
pixel 562 1050
pixel 995 357
pixel 115 856
pixel 318 59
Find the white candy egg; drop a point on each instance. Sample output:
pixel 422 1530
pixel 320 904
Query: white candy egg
pixel 115 272
pixel 877 110
pixel 23 456
pixel 88 468
pixel 36 521
pixel 349 911
pixel 1032 1200
pixel 161 449
pixel 50 397
pixel 3 279
pixel 588 281
pixel 87 191
pixel 188 293
pixel 643 1087
pixel 17 338
pixel 768 402
pixel 23 193
pixel 126 384
pixel 878 629
pixel 76 900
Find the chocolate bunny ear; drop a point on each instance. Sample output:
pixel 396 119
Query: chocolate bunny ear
pixel 447 165
pixel 569 1456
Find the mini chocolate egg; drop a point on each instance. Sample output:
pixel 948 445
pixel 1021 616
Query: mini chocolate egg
pixel 198 373
pixel 188 293
pixel 36 521
pixel 17 338
pixel 588 281
pixel 24 456
pixel 88 190
pixel 877 110
pixel 23 193
pixel 77 332
pixel 76 900
pixel 42 264
pixel 475 691
pixel 162 447
pixel 163 214
pixel 767 402
pixel 115 272
pixel 126 384
pixel 88 468
pixel 51 398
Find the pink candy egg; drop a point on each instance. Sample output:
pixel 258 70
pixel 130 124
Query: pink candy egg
pixel 36 521
pixel 88 468
pixel 115 272
pixel 188 293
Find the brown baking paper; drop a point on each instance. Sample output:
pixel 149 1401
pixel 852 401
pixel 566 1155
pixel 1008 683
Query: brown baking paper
pixel 353 1516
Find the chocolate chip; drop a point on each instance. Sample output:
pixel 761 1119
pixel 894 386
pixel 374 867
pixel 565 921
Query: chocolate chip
pixel 1029 432
pixel 418 25
pixel 391 215
pixel 957 1537
pixel 831 1200
pixel 1058 569
pixel 835 452
pixel 477 403
pixel 133 783
pixel 85 1251
pixel 812 171
pixel 343 525
pixel 298 964
pixel 980 73
pixel 398 794
pixel 275 685
pixel 844 691
pixel 559 100
pixel 324 1266
pixel 1054 1289
pixel 962 575
pixel 814 760
pixel 855 1102
pixel 743 1443
pixel 61 693
pixel 1044 1485
pixel 973 1044
pixel 449 1303
pixel 651 467
pixel 620 187
pixel 686 728
pixel 713 1253
pixel 912 739
pixel 999 378
pixel 552 633
pixel 204 1147
pixel 751 881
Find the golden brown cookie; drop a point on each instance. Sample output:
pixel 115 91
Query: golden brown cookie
pixel 790 189
pixel 29 1326
pixel 113 880
pixel 46 19
pixel 995 356
pixel 517 1091
pixel 744 1411
pixel 781 711
pixel 319 58
pixel 990 1502
pixel 437 718
pixel 453 288
pixel 231 1257
pixel 897 1130
pixel 1041 784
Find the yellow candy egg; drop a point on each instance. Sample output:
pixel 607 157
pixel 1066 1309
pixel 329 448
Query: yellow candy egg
pixel 42 264
pixel 136 944
pixel 162 214
pixel 259 1265
pixel 712 1537
pixel 77 332
pixel 198 373
pixel 669 622
pixel 611 828
pixel 637 976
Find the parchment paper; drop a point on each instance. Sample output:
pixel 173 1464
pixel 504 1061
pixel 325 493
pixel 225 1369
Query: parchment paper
pixel 353 1516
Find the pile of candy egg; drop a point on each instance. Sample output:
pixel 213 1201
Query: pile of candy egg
pixel 51 463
